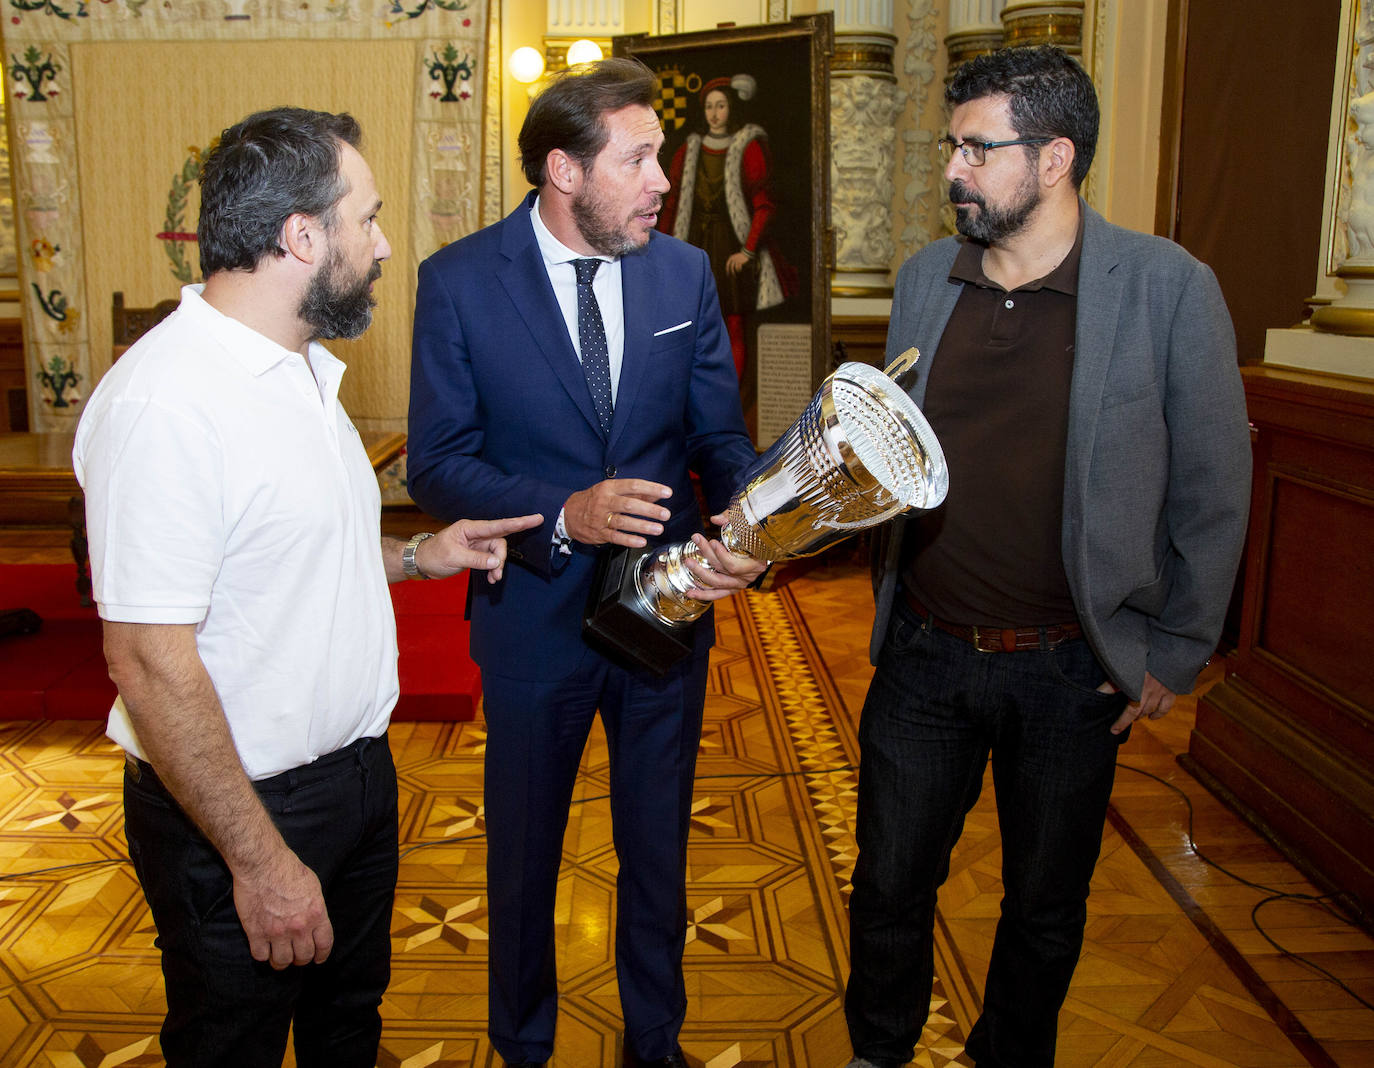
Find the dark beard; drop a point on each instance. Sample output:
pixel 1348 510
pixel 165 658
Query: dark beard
pixel 334 309
pixel 600 232
pixel 992 225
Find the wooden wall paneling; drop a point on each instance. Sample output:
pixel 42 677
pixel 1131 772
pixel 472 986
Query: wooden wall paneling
pixel 1289 737
pixel 864 337
pixel 14 392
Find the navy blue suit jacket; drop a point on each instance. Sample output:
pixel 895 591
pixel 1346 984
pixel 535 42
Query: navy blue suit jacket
pixel 502 423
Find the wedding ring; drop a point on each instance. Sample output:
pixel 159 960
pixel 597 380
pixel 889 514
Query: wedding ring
pixel 609 517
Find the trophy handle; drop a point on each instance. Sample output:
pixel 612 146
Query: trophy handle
pixel 898 368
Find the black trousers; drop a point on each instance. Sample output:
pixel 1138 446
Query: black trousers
pixel 224 1008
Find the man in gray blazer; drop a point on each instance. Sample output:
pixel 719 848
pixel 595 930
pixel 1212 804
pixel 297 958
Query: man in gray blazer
pixel 1082 379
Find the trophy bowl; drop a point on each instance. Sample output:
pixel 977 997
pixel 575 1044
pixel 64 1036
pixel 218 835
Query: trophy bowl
pixel 860 454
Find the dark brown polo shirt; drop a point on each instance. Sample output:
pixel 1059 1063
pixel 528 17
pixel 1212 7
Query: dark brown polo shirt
pixel 998 400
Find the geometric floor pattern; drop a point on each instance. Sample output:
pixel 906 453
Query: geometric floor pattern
pixel 1172 971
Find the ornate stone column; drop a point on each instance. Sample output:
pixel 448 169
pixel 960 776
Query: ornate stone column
pixel 864 101
pixel 975 28
pixel 1035 22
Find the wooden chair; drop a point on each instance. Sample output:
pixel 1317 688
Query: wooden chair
pixel 127 326
pixel 130 324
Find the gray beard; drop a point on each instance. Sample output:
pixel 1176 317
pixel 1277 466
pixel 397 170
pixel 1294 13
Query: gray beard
pixel 332 310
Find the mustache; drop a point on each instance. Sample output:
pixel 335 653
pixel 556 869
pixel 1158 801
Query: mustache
pixel 375 272
pixel 959 193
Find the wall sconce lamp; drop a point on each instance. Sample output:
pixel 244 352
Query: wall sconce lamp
pixel 526 65
pixel 583 50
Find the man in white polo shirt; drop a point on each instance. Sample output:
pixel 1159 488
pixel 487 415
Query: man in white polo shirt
pixel 234 522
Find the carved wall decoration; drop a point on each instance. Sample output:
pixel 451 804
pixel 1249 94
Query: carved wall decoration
pixel 9 265
pixel 864 105
pixel 922 118
pixel 862 163
pixel 491 121
pixel 1097 17
pixel 667 16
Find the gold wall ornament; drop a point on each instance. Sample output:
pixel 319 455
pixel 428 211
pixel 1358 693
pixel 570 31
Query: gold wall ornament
pixel 975 29
pixel 965 46
pixel 863 55
pixel 1032 23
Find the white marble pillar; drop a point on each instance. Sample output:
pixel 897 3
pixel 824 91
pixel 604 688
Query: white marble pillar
pixel 864 102
pixel 975 28
pixel 572 20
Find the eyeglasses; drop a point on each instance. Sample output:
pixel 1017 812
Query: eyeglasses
pixel 975 152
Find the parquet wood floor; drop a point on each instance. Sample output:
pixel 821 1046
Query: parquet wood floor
pixel 1173 972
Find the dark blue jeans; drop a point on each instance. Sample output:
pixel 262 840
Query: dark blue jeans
pixel 936 711
pixel 225 1008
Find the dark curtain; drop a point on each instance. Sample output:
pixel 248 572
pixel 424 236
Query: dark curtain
pixel 1252 153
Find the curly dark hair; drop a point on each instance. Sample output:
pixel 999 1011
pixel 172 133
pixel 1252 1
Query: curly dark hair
pixel 272 165
pixel 1050 95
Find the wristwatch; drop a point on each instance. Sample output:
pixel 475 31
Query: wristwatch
pixel 408 564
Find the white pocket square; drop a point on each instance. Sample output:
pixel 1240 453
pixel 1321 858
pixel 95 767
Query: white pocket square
pixel 673 329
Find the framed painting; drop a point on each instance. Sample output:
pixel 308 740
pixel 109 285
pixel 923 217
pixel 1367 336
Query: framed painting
pixel 745 114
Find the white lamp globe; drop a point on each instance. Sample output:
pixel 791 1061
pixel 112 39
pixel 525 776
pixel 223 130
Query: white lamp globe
pixel 583 51
pixel 526 64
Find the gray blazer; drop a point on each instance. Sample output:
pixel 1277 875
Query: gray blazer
pixel 1157 471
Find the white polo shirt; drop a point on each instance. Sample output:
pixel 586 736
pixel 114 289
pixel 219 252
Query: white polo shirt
pixel 226 487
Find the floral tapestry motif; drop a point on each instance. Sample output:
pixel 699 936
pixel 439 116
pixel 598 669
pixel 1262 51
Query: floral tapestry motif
pixel 449 105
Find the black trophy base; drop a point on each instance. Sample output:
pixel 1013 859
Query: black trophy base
pixel 618 625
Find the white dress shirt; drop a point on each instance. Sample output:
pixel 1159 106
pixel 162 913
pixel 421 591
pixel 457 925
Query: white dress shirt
pixel 606 285
pixel 558 262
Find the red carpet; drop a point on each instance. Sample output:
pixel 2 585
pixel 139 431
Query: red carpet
pixel 59 673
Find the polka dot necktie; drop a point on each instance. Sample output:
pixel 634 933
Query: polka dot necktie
pixel 591 334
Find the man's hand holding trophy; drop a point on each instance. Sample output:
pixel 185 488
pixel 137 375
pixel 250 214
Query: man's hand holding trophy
pixel 860 454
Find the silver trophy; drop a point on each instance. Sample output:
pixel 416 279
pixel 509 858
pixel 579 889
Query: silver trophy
pixel 860 454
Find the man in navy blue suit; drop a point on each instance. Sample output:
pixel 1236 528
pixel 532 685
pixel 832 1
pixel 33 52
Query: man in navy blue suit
pixel 571 360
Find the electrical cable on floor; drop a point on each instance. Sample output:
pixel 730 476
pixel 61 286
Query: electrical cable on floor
pixel 1321 901
pixel 63 867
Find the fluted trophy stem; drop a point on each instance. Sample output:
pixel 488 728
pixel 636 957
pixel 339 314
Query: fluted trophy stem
pixel 663 579
pixel 860 454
